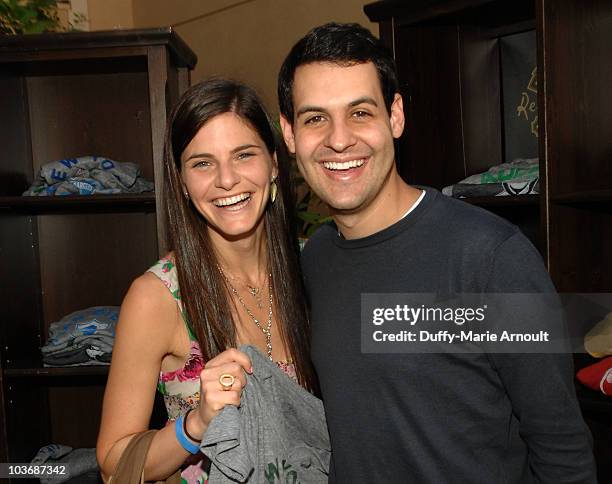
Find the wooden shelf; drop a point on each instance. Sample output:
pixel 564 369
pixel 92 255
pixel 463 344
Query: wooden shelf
pixel 65 95
pixel 66 43
pixel 422 11
pixel 67 371
pixel 503 201
pixel 584 197
pixel 80 203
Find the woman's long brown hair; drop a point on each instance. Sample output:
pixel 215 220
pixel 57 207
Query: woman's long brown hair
pixel 203 291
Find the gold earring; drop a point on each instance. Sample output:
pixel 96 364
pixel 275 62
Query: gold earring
pixel 273 190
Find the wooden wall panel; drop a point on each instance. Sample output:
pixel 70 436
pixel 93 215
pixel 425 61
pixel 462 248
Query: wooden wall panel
pixel 28 427
pixel 21 315
pixel 75 412
pixel 105 114
pixel 16 156
pixel 578 36
pixel 91 260
pixel 431 148
pixel 480 100
pixel 581 237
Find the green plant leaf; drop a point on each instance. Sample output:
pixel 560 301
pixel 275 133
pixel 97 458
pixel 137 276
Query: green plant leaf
pixel 309 217
pixel 313 228
pixel 30 16
pixel 27 16
pixel 39 27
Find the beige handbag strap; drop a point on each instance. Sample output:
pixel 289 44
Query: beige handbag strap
pixel 130 469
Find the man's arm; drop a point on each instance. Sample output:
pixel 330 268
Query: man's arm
pixel 540 386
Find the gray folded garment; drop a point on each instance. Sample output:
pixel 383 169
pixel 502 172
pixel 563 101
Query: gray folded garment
pixel 79 463
pixel 88 355
pixel 278 434
pixel 468 190
pixel 517 177
pixel 90 350
pixel 102 342
pixel 82 338
pixel 87 175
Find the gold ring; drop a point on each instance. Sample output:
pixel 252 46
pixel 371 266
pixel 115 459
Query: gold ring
pixel 227 381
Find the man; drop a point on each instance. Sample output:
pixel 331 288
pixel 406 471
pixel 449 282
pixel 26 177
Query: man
pixel 412 417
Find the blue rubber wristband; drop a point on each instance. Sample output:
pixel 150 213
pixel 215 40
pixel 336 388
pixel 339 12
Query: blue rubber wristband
pixel 186 444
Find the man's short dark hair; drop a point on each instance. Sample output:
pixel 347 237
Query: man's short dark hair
pixel 342 44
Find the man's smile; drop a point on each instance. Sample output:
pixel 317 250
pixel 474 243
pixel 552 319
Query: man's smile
pixel 344 165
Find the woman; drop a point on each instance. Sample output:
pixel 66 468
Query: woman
pixel 229 205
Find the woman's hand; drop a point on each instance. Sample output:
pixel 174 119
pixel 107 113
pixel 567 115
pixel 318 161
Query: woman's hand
pixel 213 396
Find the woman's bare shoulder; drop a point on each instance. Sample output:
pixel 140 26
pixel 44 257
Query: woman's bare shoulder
pixel 149 307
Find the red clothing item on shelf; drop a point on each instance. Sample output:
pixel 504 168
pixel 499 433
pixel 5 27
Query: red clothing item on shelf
pixel 598 376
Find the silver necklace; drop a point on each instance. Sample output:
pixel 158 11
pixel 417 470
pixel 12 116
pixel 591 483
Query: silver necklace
pixel 266 330
pixel 254 291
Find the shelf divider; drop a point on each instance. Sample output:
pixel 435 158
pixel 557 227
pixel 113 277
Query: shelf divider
pixel 125 202
pixel 66 371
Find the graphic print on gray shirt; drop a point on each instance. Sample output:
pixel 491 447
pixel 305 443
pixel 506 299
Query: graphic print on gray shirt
pixel 277 434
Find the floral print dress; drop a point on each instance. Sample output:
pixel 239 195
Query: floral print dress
pixel 181 388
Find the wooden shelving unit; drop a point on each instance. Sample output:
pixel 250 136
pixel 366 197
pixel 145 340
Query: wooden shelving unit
pixel 450 65
pixel 65 96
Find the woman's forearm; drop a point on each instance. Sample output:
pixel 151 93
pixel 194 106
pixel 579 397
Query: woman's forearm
pixel 165 455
